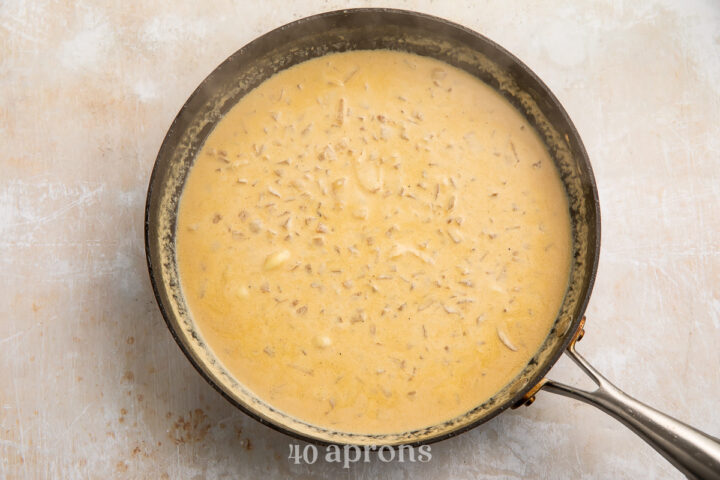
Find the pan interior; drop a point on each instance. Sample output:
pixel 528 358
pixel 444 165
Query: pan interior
pixel 338 32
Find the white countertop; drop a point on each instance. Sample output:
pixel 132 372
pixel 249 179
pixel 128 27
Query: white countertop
pixel 92 384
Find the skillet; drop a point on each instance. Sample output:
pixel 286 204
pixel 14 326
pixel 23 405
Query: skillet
pixel 694 453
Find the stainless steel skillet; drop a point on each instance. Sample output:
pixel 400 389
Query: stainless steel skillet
pixel 694 453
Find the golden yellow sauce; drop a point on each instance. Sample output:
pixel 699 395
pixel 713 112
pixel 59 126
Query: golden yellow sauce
pixel 374 241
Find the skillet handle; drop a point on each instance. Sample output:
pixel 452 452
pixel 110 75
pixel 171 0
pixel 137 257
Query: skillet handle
pixel 694 453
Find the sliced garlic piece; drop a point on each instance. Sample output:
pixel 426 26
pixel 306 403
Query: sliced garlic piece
pixel 274 260
pixel 505 340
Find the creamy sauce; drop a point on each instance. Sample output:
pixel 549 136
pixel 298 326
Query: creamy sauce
pixel 374 241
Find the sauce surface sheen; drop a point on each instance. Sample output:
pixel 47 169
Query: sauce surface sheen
pixel 374 241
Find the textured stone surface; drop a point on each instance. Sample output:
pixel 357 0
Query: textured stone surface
pixel 92 384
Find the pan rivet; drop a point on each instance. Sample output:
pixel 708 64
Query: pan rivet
pixel 530 401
